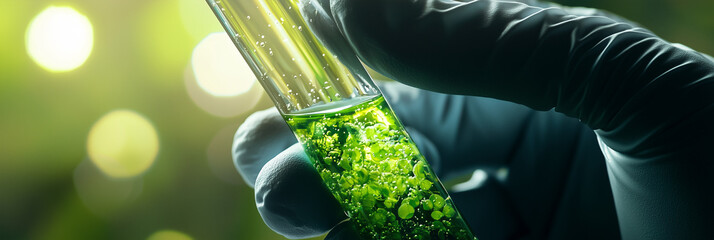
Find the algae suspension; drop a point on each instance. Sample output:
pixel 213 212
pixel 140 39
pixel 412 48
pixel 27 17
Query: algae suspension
pixel 373 168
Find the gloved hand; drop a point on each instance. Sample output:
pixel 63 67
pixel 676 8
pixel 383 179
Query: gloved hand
pixel 649 102
pixel 556 171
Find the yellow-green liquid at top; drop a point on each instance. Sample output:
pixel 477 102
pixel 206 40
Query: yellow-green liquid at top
pixel 373 168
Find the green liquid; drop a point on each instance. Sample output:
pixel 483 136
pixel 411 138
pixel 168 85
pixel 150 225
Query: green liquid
pixel 373 168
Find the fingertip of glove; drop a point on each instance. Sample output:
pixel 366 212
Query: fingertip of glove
pixel 262 135
pixel 291 198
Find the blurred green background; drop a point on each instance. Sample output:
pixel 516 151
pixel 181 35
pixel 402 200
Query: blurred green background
pixel 134 142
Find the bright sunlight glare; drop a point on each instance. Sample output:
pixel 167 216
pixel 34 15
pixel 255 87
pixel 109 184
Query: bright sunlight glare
pixel 59 39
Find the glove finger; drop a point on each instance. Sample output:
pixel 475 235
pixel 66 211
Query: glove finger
pixel 263 135
pixel 291 198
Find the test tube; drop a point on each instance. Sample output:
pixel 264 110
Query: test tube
pixel 356 143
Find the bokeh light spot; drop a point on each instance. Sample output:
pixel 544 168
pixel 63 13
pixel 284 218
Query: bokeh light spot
pixel 59 39
pixel 219 68
pixel 224 106
pixel 169 235
pixel 123 144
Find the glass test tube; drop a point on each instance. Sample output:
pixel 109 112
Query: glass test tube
pixel 356 143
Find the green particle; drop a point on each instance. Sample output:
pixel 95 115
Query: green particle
pixel 401 186
pixel 438 201
pixel 405 211
pixel 346 182
pixel 449 211
pixel 368 201
pixel 403 166
pixel 419 170
pixel 436 215
pixel 414 202
pixel 425 184
pixel 427 205
pixel 437 225
pixel 345 163
pixel 389 202
pixel 379 217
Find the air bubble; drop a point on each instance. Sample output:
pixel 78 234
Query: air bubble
pixel 248 17
pixel 262 44
pixel 300 28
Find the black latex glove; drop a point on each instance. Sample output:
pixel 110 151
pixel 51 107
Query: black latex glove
pixel 651 104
